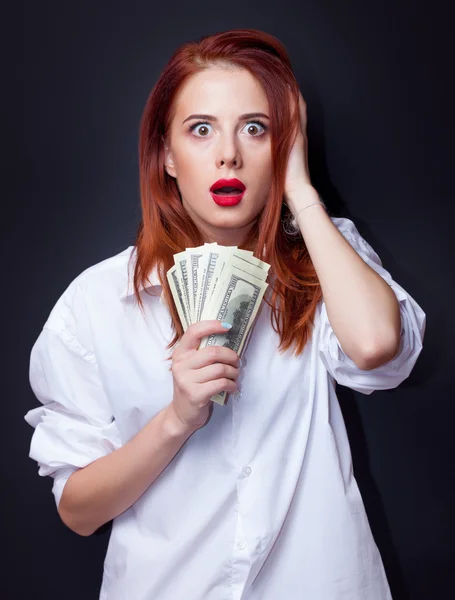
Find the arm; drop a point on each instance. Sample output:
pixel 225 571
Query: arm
pixel 108 486
pixel 362 309
pixel 361 306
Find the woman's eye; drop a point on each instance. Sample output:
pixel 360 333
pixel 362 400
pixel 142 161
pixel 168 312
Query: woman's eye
pixel 255 124
pixel 193 127
pixel 251 124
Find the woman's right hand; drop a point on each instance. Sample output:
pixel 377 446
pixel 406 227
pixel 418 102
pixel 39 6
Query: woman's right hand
pixel 200 374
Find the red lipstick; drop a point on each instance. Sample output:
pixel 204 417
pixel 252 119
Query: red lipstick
pixel 233 194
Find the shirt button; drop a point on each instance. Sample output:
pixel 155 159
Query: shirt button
pixel 247 470
pixel 241 545
pixel 237 395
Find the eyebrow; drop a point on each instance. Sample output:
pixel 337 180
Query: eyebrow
pixel 212 118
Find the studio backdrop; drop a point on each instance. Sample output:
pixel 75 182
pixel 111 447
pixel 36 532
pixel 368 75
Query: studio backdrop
pixel 380 129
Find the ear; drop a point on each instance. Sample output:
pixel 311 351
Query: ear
pixel 168 161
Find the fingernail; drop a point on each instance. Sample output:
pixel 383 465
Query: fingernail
pixel 226 325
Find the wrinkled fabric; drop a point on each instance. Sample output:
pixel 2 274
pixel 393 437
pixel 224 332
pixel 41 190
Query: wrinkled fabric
pixel 413 322
pixel 262 502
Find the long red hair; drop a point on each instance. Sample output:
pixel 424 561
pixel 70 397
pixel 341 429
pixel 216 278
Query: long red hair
pixel 166 228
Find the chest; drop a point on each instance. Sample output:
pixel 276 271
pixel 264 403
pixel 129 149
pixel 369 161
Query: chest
pixel 133 361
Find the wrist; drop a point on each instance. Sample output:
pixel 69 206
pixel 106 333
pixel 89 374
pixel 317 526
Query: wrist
pixel 302 198
pixel 174 426
pixel 316 203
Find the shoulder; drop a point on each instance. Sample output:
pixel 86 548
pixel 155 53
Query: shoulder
pixel 346 227
pixel 351 233
pixel 108 276
pixel 97 285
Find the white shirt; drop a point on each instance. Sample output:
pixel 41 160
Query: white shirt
pixel 259 504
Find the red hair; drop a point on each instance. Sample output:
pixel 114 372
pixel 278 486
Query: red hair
pixel 166 228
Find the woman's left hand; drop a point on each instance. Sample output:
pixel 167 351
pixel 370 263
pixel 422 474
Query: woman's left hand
pixel 297 173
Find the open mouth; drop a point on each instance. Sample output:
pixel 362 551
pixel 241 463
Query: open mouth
pixel 231 197
pixel 227 191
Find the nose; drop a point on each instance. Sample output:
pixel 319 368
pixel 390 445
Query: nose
pixel 228 153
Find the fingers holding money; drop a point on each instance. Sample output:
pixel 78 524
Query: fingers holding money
pixel 216 371
pixel 210 284
pixel 213 354
pixel 192 337
pixel 210 363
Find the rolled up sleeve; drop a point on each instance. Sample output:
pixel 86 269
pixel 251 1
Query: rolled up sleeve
pixel 74 424
pixel 413 322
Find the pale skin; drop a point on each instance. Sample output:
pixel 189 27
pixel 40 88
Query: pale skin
pixel 226 148
pixel 362 308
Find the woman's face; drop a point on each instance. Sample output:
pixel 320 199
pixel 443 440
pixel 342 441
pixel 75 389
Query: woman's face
pixel 225 146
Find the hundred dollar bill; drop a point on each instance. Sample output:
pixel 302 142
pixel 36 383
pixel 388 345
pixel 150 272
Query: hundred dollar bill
pixel 217 275
pixel 237 301
pixel 211 270
pixel 177 294
pixel 181 262
pixel 219 282
pixel 237 258
pixel 207 267
pixel 189 273
pixel 194 257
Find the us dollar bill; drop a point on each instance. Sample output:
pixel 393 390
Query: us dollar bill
pixel 241 261
pixel 237 301
pixel 219 282
pixel 178 295
pixel 194 258
pixel 182 272
pixel 208 266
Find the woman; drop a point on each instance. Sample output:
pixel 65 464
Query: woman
pixel 256 499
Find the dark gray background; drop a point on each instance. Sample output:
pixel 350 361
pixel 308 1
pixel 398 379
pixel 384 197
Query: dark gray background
pixel 377 78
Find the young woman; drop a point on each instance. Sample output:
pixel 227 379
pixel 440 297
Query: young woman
pixel 255 499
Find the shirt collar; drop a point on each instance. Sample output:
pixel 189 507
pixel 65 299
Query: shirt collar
pixel 153 280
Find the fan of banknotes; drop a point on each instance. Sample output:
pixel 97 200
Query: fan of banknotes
pixel 219 282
